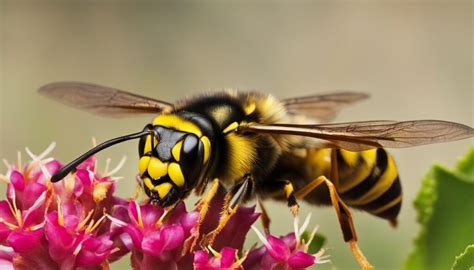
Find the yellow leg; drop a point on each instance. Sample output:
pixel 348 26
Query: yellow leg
pixel 343 214
pixel 232 202
pixel 138 188
pixel 202 207
pixel 290 198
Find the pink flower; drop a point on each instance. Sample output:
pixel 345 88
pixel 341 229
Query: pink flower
pixel 225 260
pixel 289 252
pixel 51 226
pixel 153 236
pixel 6 258
pixel 65 226
pixel 235 231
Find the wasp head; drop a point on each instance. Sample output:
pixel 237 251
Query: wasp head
pixel 173 158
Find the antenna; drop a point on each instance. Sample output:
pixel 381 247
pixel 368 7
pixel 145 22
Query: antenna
pixel 73 164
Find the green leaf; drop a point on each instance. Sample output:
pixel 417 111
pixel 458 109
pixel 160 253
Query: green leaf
pixel 465 260
pixel 317 242
pixel 445 205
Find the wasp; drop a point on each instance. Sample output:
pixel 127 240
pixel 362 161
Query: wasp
pixel 254 144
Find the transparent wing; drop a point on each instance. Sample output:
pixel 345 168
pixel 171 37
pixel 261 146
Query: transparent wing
pixel 322 107
pixel 101 99
pixel 358 136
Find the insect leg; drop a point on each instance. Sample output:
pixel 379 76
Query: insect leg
pixel 202 207
pixel 265 218
pixel 290 197
pixel 138 187
pixel 232 202
pixel 344 215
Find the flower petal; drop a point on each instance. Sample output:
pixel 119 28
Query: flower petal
pixel 24 241
pixel 277 249
pixel 201 258
pixel 169 237
pixel 6 212
pixel 150 215
pixel 61 243
pixel 35 214
pixel 93 252
pixel 17 180
pixel 32 192
pixel 228 256
pixel 300 259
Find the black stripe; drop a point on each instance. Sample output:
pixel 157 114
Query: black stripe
pixel 392 212
pixel 340 159
pixel 367 184
pixel 292 200
pixel 392 193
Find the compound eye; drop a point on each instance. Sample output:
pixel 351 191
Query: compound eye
pixel 190 145
pixel 191 158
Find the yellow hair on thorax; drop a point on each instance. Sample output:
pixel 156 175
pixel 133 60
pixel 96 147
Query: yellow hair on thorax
pixel 241 155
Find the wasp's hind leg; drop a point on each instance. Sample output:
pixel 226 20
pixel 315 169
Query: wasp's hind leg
pixel 343 213
pixel 232 201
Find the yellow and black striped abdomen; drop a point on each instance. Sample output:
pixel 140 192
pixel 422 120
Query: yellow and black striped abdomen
pixel 368 180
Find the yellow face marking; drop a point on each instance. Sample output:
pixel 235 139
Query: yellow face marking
pixel 143 164
pixel 175 173
pixel 382 185
pixel 148 183
pixel 207 148
pixel 163 189
pixel 176 122
pixel 176 150
pixel 148 146
pixel 233 126
pixel 156 168
pixel 349 157
pixel 250 108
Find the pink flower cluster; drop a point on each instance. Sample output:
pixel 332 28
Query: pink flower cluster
pixel 79 223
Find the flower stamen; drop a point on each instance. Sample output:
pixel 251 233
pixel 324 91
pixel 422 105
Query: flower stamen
pixel 116 221
pixel 117 168
pixel 260 236
pixel 60 214
pixel 85 220
pixel 14 209
pixel 139 216
pixel 10 225
pixel 77 249
pixel 97 224
pixel 214 252
pixel 5 161
pixel 160 220
pixel 4 178
pixel 107 165
pixel 18 160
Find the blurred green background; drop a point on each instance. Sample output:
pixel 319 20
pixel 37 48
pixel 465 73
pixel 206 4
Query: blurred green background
pixel 414 58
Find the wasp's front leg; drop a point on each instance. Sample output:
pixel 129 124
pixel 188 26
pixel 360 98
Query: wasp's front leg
pixel 202 207
pixel 232 201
